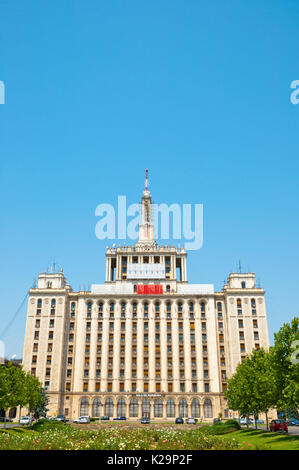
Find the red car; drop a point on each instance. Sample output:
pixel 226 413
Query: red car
pixel 275 425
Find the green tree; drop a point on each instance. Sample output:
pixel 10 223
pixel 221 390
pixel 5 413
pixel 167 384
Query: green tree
pixel 18 388
pixel 250 390
pixel 12 381
pixel 285 366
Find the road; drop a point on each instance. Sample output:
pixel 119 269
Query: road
pixel 293 430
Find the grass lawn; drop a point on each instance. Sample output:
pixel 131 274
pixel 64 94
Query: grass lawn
pixel 263 440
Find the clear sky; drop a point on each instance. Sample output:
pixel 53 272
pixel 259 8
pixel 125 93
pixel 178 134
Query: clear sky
pixel 197 91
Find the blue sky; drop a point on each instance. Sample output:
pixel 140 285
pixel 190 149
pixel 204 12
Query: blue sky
pixel 198 92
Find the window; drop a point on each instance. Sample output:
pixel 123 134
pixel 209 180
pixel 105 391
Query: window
pixel 53 303
pixel 133 408
pixel 170 408
pixel 121 407
pixel 39 303
pixel 207 388
pixel 243 284
pixel 84 407
pixel 158 408
pixel 109 407
pixel 195 408
pixel 145 406
pixel 183 408
pixel 207 408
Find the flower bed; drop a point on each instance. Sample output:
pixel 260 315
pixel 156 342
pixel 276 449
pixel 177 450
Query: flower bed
pixel 58 436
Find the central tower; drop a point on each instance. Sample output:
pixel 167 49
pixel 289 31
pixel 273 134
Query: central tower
pixel 146 228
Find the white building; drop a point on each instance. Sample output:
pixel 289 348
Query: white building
pixel 146 342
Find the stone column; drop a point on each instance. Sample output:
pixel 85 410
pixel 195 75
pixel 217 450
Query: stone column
pixel 105 347
pixel 116 348
pixel 163 347
pixel 151 347
pixel 140 347
pixel 175 348
pixel 187 347
pixel 128 347
pixel 93 348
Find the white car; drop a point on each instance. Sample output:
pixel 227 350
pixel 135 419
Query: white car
pixel 82 420
pixel 26 420
pixel 191 421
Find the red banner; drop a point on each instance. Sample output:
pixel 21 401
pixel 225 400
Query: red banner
pixel 149 289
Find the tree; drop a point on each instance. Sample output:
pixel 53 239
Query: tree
pixel 18 388
pixel 11 387
pixel 285 366
pixel 250 390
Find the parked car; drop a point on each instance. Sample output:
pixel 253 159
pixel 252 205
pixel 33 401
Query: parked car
pixel 82 420
pixel 293 422
pixel 275 425
pixel 259 421
pixel 7 420
pixel 26 420
pixel 104 418
pixel 191 421
pixel 61 418
pixel 145 420
pixel 179 421
pixel 243 421
pixel 120 418
pixel 216 420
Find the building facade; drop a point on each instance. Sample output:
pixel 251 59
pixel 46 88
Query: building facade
pixel 146 342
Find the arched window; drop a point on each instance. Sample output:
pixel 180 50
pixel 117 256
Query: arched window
pixel 207 408
pixel 170 408
pixel 183 408
pixel 191 306
pixel 158 408
pixel 121 407
pixel 146 407
pixel 89 306
pixel 109 407
pixel 39 303
pixel 133 409
pixel 180 306
pixel 195 409
pixel 203 307
pixel 112 307
pixel 239 303
pixel 12 413
pixel 253 304
pixel 157 307
pixel 168 307
pixel 84 407
pixel 96 408
pixel 73 306
pixel 100 307
pixel 53 303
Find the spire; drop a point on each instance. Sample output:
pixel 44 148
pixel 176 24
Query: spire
pixel 146 191
pixel 146 228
